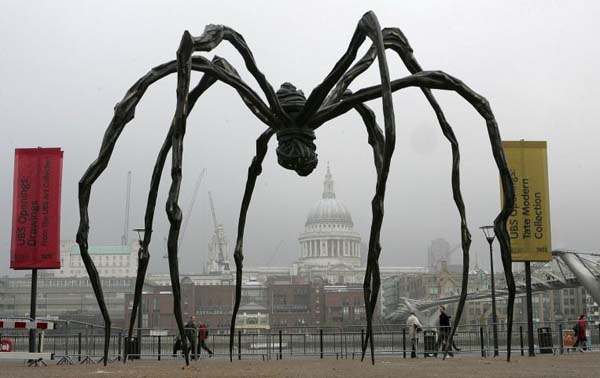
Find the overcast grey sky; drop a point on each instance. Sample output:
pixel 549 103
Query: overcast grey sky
pixel 64 64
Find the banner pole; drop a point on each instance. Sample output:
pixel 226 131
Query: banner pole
pixel 32 309
pixel 530 341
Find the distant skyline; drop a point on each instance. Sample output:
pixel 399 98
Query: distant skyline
pixel 66 63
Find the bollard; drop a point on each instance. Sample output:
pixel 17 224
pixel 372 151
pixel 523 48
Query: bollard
pixel 483 354
pixel 159 347
pixel 79 347
pixel 239 345
pixel 280 341
pixel 321 342
pixel 404 342
pixel 521 336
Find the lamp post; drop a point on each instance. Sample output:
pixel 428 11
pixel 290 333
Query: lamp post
pixel 488 231
pixel 140 232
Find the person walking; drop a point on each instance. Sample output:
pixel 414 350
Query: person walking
pixel 191 333
pixel 444 333
pixel 202 335
pixel 414 327
pixel 580 333
pixel 177 345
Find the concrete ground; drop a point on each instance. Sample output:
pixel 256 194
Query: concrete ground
pixel 573 365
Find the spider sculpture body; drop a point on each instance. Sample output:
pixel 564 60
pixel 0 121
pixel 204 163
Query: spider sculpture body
pixel 293 118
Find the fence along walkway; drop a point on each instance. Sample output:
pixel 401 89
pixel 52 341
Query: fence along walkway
pixel 76 342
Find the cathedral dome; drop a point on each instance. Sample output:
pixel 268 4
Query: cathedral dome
pixel 328 209
pixel 329 236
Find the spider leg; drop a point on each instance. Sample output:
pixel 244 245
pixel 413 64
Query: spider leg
pixel 441 80
pixel 184 68
pixel 377 142
pixel 396 41
pixel 370 26
pixel 319 94
pixel 143 254
pixel 124 112
pixel 254 171
pixel 213 35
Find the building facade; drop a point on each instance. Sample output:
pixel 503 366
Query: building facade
pixel 110 261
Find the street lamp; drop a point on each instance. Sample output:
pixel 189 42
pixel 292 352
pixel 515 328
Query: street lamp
pixel 488 231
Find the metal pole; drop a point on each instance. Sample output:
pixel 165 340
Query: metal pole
pixel 304 343
pixel 239 345
pixel 321 342
pixel 529 309
pixel 494 314
pixel 79 347
pixel 403 342
pixel 560 338
pixel 93 341
pixel 598 332
pixel 362 338
pixel 67 339
pixel 119 346
pixel 159 347
pixel 32 308
pixel 521 337
pixel 280 341
pixel 482 345
pixel 139 330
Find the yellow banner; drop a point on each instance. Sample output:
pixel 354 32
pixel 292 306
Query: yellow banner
pixel 529 223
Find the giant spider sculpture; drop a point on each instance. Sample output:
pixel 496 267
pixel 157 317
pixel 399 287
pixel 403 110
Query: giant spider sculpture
pixel 293 118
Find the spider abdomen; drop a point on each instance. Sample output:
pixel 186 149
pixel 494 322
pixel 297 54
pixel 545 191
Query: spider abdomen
pixel 296 150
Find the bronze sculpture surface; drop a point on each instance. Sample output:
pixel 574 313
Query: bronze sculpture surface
pixel 293 118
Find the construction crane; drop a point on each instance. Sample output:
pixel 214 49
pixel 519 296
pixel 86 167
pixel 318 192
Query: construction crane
pixel 220 236
pixel 275 251
pixel 186 221
pixel 188 214
pixel 125 236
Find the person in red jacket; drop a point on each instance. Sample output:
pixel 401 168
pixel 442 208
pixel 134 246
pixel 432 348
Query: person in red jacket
pixel 202 335
pixel 580 333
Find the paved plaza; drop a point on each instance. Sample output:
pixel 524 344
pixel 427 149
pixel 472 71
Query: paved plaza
pixel 547 366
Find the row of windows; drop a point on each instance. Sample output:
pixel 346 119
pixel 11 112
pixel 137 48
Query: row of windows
pixel 112 260
pixel 114 272
pixel 73 282
pixel 331 248
pixel 329 226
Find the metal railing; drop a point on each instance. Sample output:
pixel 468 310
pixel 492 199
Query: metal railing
pixel 78 342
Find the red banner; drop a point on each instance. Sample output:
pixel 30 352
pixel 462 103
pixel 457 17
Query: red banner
pixel 36 209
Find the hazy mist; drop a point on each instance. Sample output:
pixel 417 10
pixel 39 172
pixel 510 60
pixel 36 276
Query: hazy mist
pixel 64 64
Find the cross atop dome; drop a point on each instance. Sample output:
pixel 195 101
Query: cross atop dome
pixel 328 191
